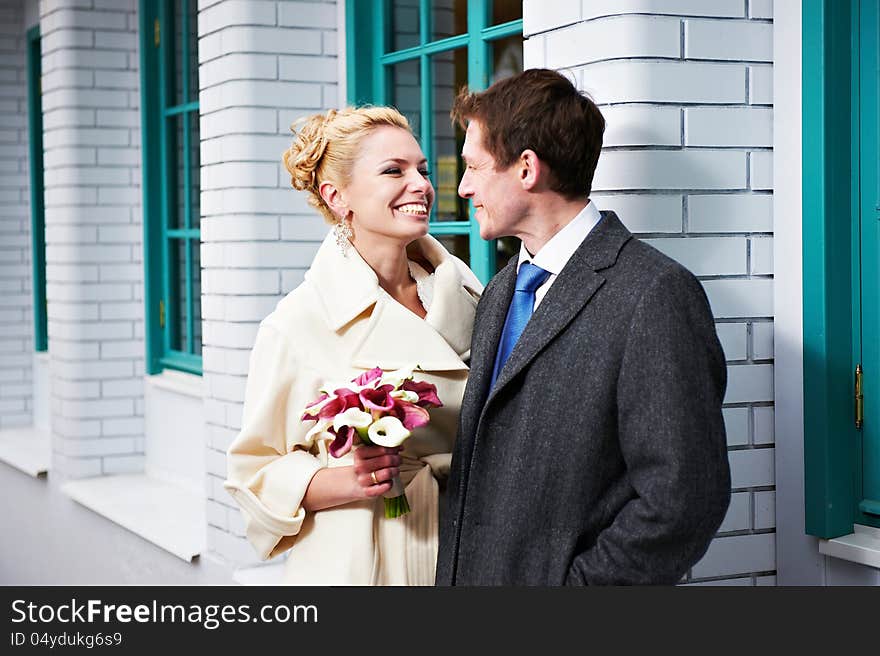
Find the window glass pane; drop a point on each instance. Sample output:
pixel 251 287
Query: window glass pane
pixel 174 129
pixel 457 245
pixel 448 18
pixel 505 248
pixel 194 170
pixel 193 46
pixel 177 53
pixel 176 311
pixel 504 11
pixel 185 197
pixel 449 73
pixel 404 24
pixel 185 52
pixel 507 57
pixel 405 87
pixel 195 249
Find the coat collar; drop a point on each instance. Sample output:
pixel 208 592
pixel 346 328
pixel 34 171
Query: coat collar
pixel 348 287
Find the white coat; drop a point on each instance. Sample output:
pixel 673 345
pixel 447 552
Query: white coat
pixel 338 323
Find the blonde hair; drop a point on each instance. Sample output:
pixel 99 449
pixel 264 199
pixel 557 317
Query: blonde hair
pixel 326 146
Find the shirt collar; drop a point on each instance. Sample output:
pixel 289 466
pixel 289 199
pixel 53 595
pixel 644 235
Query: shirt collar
pixel 555 253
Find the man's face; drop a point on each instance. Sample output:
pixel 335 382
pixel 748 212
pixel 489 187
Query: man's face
pixel 497 196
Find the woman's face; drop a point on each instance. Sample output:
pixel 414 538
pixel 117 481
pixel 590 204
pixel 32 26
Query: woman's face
pixel 390 194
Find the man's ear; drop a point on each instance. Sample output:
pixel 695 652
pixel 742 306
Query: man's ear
pixel 333 197
pixel 531 169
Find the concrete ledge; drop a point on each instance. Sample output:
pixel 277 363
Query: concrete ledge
pixel 259 575
pixel 861 546
pixel 26 449
pixel 170 517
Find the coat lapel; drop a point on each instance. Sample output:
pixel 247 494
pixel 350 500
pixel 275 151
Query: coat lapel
pixel 576 284
pixel 491 314
pixel 395 338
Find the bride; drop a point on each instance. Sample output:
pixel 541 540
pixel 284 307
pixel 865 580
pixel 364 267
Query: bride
pixel 380 292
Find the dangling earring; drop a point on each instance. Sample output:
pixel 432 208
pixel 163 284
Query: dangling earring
pixel 342 232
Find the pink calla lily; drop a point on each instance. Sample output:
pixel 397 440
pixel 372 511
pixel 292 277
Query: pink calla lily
pixel 427 393
pixel 409 414
pixel 343 442
pixel 377 400
pixel 368 376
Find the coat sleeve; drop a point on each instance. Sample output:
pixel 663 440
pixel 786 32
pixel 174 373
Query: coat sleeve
pixel 269 466
pixel 671 432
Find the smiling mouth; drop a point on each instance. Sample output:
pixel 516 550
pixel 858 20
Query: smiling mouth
pixel 413 209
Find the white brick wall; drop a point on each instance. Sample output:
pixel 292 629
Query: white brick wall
pixel 686 89
pixel 94 246
pixel 16 300
pixel 262 64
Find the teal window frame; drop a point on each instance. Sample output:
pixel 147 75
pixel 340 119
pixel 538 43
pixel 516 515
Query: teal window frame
pixel 833 276
pixel 38 215
pixel 367 64
pixel 158 108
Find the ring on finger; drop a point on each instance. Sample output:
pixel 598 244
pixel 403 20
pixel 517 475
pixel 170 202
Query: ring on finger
pixel 373 476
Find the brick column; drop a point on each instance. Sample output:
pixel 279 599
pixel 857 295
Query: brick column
pixel 262 64
pixel 94 266
pixel 16 299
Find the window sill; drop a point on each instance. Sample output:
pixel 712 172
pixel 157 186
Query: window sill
pixel 180 382
pixel 169 516
pixel 861 546
pixel 26 449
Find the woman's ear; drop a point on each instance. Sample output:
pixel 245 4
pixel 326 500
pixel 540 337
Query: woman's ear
pixel 333 197
pixel 531 169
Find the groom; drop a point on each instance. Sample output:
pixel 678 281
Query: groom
pixel 591 446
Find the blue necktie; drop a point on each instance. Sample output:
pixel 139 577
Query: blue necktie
pixel 528 279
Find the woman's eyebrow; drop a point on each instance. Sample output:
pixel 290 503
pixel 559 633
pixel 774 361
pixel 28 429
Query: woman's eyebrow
pixel 400 160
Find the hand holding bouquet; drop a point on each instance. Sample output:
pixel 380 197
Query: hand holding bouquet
pixel 380 408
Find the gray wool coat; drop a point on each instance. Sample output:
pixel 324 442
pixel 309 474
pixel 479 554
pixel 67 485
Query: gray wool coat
pixel 599 456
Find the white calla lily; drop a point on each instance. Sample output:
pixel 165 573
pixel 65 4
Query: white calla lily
pixel 388 431
pixel 354 417
pixel 405 395
pixel 396 378
pixel 317 429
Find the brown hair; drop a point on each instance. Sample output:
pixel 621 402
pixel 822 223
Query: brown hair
pixel 541 110
pixel 326 146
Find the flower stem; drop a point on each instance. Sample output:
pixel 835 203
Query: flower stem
pixel 396 506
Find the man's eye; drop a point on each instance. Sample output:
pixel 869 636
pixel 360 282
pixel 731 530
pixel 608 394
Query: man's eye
pixel 393 171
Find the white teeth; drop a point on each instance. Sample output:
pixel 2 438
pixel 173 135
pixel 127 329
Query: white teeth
pixel 413 208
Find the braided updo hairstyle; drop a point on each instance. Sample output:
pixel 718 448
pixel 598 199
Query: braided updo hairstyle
pixel 326 146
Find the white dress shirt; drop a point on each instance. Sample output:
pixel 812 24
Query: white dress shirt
pixel 558 251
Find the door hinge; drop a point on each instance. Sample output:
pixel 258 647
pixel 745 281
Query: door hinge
pixel 860 400
pixel 156 32
pixel 161 313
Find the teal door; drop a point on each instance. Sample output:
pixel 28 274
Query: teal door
pixel 868 205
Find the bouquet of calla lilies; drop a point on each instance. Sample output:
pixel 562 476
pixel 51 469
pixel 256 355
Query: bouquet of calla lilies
pixel 380 408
